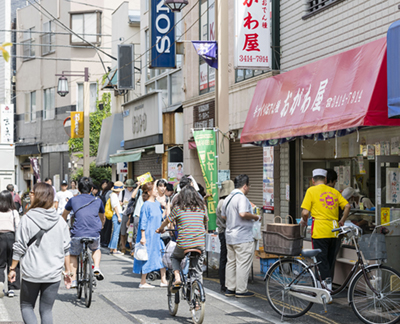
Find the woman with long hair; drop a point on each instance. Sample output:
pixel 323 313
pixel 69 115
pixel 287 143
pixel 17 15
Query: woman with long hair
pixel 150 219
pixel 42 246
pixel 161 185
pixel 9 220
pixel 105 234
pixel 189 213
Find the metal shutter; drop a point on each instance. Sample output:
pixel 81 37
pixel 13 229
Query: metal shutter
pixel 148 163
pixel 248 160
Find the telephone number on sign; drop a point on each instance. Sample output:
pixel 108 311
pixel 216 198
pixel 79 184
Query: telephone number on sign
pixel 255 58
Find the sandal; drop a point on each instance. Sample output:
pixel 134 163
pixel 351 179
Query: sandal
pixel 175 287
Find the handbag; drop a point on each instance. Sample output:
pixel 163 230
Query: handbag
pixel 141 252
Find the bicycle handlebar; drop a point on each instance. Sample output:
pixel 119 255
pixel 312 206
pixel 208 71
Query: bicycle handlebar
pixel 336 230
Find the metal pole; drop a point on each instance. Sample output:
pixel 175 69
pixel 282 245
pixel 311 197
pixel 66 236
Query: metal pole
pixel 86 126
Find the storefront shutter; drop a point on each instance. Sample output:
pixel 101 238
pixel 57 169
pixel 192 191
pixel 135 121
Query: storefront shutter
pixel 148 163
pixel 248 160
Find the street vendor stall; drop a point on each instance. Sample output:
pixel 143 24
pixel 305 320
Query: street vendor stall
pixel 335 111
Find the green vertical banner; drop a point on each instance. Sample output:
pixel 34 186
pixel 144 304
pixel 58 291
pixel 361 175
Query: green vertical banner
pixel 207 150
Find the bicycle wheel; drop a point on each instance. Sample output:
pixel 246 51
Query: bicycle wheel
pixel 198 302
pixel 79 277
pixel 279 275
pixel 373 309
pixel 173 299
pixel 88 279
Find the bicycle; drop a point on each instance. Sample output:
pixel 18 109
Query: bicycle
pixel 191 290
pixel 84 273
pixel 374 290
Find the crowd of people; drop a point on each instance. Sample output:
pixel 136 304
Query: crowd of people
pixel 40 247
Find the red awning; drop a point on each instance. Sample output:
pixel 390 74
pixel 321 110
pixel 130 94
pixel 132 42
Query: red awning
pixel 342 91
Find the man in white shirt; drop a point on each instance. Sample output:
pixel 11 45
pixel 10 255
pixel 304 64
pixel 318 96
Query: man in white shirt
pixel 62 197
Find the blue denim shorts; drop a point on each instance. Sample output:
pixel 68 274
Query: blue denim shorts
pixel 76 245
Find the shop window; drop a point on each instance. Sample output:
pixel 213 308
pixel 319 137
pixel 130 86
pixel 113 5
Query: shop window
pixel 30 107
pixel 87 25
pixel 207 32
pixel 315 6
pixel 48 104
pixel 48 38
pixel 93 97
pixel 247 74
pixel 28 48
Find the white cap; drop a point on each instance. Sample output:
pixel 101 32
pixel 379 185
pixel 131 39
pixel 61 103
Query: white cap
pixel 319 173
pixel 348 193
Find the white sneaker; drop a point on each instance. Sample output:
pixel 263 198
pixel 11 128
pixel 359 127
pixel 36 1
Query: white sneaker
pixel 10 293
pixel 146 286
pixel 98 274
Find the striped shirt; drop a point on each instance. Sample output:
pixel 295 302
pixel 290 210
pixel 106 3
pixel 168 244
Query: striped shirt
pixel 191 230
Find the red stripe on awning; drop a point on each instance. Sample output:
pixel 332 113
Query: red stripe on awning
pixel 342 91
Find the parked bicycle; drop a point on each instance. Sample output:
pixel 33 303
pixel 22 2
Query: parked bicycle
pixel 191 290
pixel 84 273
pixel 374 290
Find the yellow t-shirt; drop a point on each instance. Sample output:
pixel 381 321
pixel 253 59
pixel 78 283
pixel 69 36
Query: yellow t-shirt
pixel 323 203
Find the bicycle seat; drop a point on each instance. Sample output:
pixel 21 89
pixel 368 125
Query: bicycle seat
pixel 309 253
pixel 192 251
pixel 87 240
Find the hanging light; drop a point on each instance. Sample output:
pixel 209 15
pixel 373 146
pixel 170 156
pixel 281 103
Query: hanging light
pixel 62 88
pixel 176 5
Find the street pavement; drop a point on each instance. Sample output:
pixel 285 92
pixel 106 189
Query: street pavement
pixel 117 299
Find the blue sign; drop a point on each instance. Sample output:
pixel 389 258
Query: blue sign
pixel 162 36
pixel 393 70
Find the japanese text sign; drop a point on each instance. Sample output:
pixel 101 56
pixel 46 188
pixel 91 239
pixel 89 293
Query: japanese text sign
pixel 392 185
pixel 253 34
pixel 162 35
pixel 207 150
pixel 145 178
pixel 7 123
pixel 77 130
pixel 342 91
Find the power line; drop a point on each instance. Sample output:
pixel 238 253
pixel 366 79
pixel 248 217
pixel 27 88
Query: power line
pixel 43 32
pixel 89 5
pixel 69 29
pixel 57 59
pixel 54 45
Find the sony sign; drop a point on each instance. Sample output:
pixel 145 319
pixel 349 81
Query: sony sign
pixel 162 36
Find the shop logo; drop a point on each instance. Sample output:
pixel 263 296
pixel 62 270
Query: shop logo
pixel 329 200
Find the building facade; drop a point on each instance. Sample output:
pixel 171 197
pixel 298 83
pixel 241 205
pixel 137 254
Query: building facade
pixel 46 48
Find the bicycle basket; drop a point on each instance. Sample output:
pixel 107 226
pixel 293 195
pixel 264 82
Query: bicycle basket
pixel 373 246
pixel 277 243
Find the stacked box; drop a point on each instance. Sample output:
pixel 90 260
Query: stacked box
pixel 265 264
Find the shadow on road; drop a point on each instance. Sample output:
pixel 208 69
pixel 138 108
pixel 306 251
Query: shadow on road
pixel 162 315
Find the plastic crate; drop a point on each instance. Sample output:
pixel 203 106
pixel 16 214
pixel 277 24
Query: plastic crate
pixel 265 264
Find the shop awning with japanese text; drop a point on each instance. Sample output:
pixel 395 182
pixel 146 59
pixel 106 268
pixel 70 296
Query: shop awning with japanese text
pixel 342 91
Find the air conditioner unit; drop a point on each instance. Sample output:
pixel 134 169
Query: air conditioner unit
pixel 126 67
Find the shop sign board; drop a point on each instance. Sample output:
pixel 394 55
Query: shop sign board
pixel 122 168
pixel 268 178
pixel 253 34
pixel 175 171
pixel 144 118
pixel 7 123
pixel 207 150
pixel 204 115
pixel 392 186
pixel 162 23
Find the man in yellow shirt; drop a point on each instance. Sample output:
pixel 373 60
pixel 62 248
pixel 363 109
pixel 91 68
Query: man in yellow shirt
pixel 323 203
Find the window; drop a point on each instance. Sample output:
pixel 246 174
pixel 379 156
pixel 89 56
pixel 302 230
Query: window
pixel 316 6
pixel 247 74
pixel 93 97
pixel 207 32
pixel 48 104
pixel 30 107
pixel 28 48
pixel 87 25
pixel 176 88
pixel 47 38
